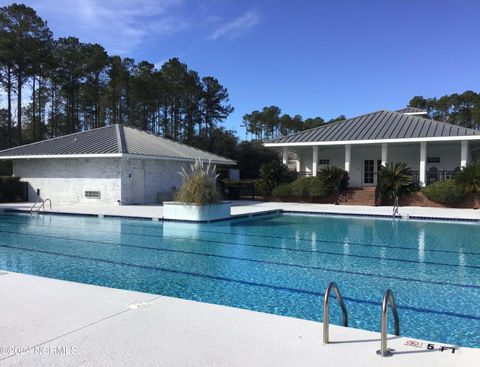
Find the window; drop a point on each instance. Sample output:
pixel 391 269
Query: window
pixel 324 161
pixel 92 194
pixel 433 159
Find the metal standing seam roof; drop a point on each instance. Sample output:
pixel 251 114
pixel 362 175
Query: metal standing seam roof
pixel 113 139
pixel 377 126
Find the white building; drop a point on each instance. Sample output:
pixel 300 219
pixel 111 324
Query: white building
pixel 433 150
pixel 107 166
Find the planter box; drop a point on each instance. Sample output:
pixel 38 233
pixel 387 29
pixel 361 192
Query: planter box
pixel 196 213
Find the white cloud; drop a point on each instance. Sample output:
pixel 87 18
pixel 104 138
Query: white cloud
pixel 236 27
pixel 118 25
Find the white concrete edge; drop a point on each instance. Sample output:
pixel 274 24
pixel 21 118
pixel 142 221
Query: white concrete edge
pixel 377 141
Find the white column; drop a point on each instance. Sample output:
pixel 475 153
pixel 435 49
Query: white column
pixel 384 154
pixel 285 155
pixel 297 166
pixel 423 161
pixel 315 160
pixel 464 154
pixel 348 157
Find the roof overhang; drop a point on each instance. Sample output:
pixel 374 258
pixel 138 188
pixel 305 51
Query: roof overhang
pixel 377 141
pixel 114 155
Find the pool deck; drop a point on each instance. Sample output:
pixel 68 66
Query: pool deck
pixel 73 324
pixel 245 208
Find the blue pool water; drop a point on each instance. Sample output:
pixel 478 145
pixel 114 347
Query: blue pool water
pixel 278 264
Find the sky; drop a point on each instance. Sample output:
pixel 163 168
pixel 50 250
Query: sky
pixel 313 58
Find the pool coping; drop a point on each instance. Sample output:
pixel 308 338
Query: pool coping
pixel 254 214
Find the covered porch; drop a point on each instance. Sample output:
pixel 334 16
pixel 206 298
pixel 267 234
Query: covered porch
pixel 430 161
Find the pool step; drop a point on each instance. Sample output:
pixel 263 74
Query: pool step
pixel 358 196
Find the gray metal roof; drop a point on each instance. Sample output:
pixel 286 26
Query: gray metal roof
pixel 375 126
pixel 113 139
pixel 413 110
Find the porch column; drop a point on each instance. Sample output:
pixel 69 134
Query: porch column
pixel 464 153
pixel 384 154
pixel 348 156
pixel 423 161
pixel 315 160
pixel 285 155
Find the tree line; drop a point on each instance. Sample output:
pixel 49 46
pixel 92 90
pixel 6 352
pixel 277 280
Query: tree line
pixel 73 86
pixel 270 123
pixel 457 109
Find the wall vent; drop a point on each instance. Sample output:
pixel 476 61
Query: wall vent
pixel 92 194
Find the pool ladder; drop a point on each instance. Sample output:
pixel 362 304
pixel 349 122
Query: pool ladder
pixel 388 299
pixel 33 209
pixel 395 208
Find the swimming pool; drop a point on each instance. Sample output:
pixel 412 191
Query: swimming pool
pixel 278 264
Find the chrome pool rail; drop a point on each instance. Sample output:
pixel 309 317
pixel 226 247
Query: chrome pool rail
pixel 42 205
pixel 332 286
pixel 388 298
pixel 395 207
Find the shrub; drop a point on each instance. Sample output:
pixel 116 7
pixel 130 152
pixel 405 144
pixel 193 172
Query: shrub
pixel 444 192
pixel 308 187
pixel 199 185
pixel 469 177
pixel 272 174
pixel 333 176
pixel 395 179
pixel 9 179
pixel 282 191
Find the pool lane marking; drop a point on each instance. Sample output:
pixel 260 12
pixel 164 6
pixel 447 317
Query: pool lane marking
pixel 244 282
pixel 163 249
pixel 295 250
pixel 317 241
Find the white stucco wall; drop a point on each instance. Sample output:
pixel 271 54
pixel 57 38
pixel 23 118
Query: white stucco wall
pixel 64 181
pixel 160 176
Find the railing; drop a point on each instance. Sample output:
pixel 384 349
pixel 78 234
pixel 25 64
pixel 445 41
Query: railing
pixel 42 205
pixel 332 286
pixel 432 176
pixel 388 299
pixel 303 174
pixel 395 207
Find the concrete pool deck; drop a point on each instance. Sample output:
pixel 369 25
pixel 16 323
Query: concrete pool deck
pixel 242 208
pixel 73 324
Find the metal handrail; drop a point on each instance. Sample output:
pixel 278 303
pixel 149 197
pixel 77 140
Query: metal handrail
pixel 43 205
pixel 388 298
pixel 395 207
pixel 34 204
pixel 332 286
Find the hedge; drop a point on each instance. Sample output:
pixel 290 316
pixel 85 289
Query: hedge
pixel 445 192
pixel 305 187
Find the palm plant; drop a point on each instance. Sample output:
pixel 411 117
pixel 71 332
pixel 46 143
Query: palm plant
pixel 395 179
pixel 199 185
pixel 332 177
pixel 469 177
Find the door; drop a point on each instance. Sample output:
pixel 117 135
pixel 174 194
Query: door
pixel 370 171
pixel 138 184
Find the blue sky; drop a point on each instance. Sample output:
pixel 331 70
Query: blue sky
pixel 314 58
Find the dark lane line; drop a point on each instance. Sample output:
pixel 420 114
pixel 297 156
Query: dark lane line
pixel 243 282
pixel 163 249
pixel 317 241
pixel 296 250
